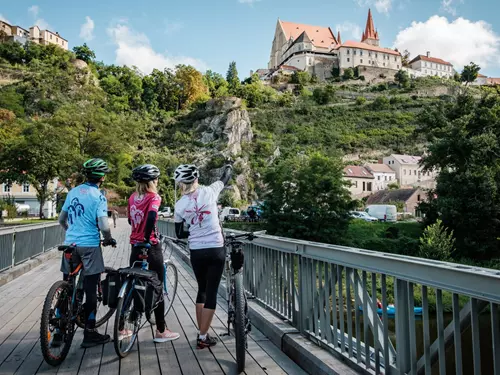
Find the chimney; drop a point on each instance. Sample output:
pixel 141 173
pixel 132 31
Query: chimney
pixel 428 54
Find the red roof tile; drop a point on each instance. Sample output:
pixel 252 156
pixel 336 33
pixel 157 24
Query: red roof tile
pixel 320 36
pixel 370 32
pixel 357 172
pixel 494 81
pixel 288 67
pixel 369 47
pixel 430 59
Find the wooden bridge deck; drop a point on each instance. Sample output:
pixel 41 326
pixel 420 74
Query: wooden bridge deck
pixel 20 310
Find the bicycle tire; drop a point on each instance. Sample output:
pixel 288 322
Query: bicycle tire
pixel 169 289
pixel 239 321
pixel 101 319
pixel 116 331
pixel 46 333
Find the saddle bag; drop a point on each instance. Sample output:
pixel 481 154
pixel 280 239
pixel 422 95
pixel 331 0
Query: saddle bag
pixel 148 291
pixel 111 288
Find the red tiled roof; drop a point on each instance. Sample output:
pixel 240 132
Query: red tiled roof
pixel 430 59
pixel 288 67
pixel 357 171
pixel 320 36
pixel 369 47
pixel 370 32
pixel 494 81
pixel 379 168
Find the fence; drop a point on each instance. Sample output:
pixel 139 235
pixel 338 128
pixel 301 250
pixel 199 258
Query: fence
pixel 20 244
pixel 439 318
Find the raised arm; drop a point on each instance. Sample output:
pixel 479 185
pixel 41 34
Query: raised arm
pixel 226 174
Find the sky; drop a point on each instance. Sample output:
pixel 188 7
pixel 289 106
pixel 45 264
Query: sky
pixel 209 34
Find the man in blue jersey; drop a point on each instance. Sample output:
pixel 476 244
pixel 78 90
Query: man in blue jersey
pixel 84 214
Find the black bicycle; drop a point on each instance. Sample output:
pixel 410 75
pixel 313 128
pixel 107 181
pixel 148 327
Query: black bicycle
pixel 64 307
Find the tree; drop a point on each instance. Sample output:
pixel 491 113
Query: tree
pixel 301 78
pixel 232 78
pixel 402 78
pixel 84 53
pixel 348 74
pixel 307 198
pixel 436 242
pixel 192 87
pixel 216 84
pixel 405 58
pixel 464 147
pixel 470 73
pixel 324 95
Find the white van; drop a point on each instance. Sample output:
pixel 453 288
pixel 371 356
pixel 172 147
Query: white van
pixel 228 213
pixel 383 212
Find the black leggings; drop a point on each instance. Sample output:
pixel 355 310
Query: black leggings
pixel 208 265
pixel 90 289
pixel 155 260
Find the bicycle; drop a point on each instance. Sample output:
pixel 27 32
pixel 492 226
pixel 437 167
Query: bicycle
pixel 235 293
pixel 64 307
pixel 127 319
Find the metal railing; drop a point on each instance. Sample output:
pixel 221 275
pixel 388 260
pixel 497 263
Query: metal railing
pixel 439 318
pixel 20 244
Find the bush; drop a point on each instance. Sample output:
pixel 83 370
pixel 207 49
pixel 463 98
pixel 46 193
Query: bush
pixel 286 100
pixel 362 78
pixel 360 100
pixel 324 95
pixel 436 242
pixel 348 74
pixel 380 103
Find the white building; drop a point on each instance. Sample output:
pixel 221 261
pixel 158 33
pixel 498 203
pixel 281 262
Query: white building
pixel 409 172
pixel 383 175
pixel 432 66
pixel 361 180
pixel 26 194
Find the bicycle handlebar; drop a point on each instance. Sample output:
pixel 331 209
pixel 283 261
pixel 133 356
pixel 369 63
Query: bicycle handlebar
pixel 174 240
pixel 250 236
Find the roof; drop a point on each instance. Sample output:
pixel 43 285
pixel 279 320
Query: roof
pixel 386 196
pixel 494 81
pixel 379 168
pixel 430 59
pixel 56 34
pixel 369 47
pixel 370 32
pixel 22 28
pixel 357 172
pixel 288 67
pixel 407 159
pixel 479 75
pixel 320 36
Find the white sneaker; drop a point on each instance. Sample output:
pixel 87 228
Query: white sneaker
pixel 166 336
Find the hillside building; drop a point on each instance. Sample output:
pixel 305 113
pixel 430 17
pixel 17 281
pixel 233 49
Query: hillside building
pixel 34 34
pixel 432 66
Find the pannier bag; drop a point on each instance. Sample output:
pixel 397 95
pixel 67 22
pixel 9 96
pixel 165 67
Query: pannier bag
pixel 148 291
pixel 111 288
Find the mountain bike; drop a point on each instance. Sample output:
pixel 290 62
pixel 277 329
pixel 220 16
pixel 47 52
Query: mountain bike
pixel 235 293
pixel 64 307
pixel 128 321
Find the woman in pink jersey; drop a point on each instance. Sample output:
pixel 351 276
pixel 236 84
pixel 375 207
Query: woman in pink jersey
pixel 143 206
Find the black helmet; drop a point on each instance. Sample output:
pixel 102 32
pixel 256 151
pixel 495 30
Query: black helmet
pixel 186 173
pixel 145 173
pixel 95 168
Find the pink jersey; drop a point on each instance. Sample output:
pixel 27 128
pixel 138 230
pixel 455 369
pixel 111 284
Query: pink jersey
pixel 138 208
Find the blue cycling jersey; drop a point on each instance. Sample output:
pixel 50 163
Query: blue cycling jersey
pixel 84 204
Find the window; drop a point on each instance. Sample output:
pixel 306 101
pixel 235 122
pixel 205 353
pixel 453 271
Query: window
pixel 370 54
pixel 395 58
pixel 348 59
pixel 50 36
pixel 378 178
pixel 26 187
pixel 404 172
pixel 364 186
pixel 390 178
pixel 57 40
pixel 348 51
pixel 415 173
pixel 376 55
pixel 369 62
pixel 360 53
pixel 418 197
pixel 384 64
pixel 63 42
pixel 398 66
pixel 369 186
pixel 7 188
pixel 385 178
pixel 361 61
pixel 354 52
pixel 425 71
pixel 356 183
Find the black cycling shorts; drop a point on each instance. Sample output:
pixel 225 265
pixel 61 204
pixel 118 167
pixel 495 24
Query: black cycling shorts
pixel 208 265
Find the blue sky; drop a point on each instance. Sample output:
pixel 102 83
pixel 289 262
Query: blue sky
pixel 209 34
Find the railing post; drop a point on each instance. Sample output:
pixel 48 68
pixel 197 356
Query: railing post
pixel 303 294
pixel 402 326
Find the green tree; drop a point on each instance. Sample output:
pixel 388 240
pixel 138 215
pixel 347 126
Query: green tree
pixel 192 87
pixel 436 242
pixel 84 53
pixel 324 95
pixel 402 78
pixel 232 78
pixel 13 52
pixel 464 147
pixel 308 198
pixel 348 74
pixel 470 73
pixel 405 58
pixel 301 78
pixel 217 85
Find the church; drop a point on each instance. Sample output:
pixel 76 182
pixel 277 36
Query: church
pixel 317 50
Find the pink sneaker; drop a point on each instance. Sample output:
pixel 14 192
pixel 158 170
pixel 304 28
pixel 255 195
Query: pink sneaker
pixel 124 334
pixel 165 336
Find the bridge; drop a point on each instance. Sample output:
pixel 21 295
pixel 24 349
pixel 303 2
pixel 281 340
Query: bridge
pixel 314 309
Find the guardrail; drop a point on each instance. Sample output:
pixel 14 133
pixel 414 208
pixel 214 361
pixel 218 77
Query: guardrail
pixel 20 244
pixel 444 318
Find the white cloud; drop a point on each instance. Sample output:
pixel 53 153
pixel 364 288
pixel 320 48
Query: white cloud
pixel 449 6
pixel 2 18
pixel 458 42
pixel 173 27
pixel 34 10
pixel 87 29
pixel 382 6
pixel 134 49
pixel 349 30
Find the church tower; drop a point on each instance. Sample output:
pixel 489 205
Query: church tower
pixel 370 35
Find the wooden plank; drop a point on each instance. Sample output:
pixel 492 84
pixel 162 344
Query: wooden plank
pixel 110 363
pixel 16 358
pixel 149 358
pixel 71 365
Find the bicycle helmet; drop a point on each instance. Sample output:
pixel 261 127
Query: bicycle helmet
pixel 95 168
pixel 186 173
pixel 145 173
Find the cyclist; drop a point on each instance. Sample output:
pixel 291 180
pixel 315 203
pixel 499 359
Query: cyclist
pixel 198 208
pixel 143 207
pixel 84 213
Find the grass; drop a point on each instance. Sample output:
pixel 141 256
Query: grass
pixel 27 221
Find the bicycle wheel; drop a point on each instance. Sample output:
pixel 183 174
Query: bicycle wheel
pixel 240 321
pixel 127 324
pixel 103 313
pixel 56 326
pixel 170 279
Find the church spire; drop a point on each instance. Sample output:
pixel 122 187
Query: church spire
pixel 339 41
pixel 370 35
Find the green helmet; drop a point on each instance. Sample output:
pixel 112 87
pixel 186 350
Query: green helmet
pixel 95 168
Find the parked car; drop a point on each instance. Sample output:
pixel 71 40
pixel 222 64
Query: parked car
pixel 362 215
pixel 229 213
pixel 383 212
pixel 165 212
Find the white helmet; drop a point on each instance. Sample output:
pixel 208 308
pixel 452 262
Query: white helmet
pixel 186 173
